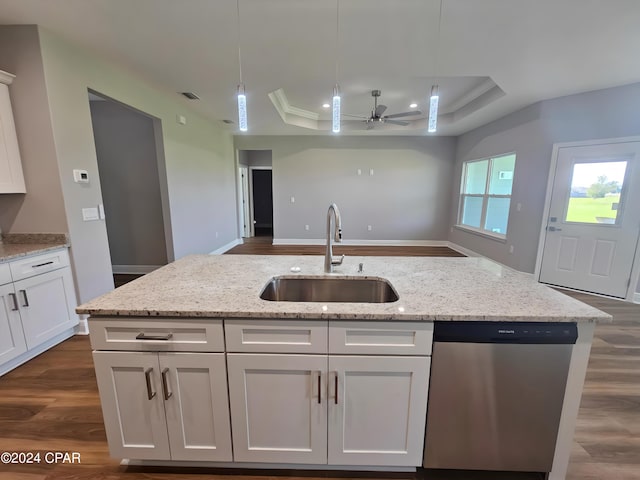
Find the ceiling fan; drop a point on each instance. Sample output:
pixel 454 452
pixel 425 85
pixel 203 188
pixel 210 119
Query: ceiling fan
pixel 377 114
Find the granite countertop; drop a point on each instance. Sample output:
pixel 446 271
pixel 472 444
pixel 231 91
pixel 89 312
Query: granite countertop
pixel 430 288
pixel 13 246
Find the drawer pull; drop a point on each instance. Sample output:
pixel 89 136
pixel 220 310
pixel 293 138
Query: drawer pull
pixel 42 264
pixel 14 298
pixel 26 299
pixel 165 384
pixel 143 336
pixel 147 376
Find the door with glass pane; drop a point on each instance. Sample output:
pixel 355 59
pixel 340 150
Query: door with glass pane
pixel 592 229
pixel 486 194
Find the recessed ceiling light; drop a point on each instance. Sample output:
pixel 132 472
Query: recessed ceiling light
pixel 325 105
pixel 413 105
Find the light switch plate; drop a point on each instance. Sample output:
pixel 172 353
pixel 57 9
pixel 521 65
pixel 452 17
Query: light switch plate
pixel 80 176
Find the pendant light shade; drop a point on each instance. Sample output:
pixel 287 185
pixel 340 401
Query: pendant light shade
pixel 433 109
pixel 242 108
pixel 336 110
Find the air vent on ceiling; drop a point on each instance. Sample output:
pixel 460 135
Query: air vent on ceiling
pixel 191 95
pixel 227 121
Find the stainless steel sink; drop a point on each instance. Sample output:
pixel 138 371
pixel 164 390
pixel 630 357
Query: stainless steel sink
pixel 329 289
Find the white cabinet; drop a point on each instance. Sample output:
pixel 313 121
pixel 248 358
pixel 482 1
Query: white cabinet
pixel 12 343
pixel 36 308
pixel 11 177
pixel 329 409
pixel 278 408
pixel 165 406
pixel 377 409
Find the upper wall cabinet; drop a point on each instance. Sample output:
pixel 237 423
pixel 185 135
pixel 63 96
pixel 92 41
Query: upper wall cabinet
pixel 11 178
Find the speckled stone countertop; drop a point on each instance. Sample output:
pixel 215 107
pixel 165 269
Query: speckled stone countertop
pixel 430 288
pixel 13 246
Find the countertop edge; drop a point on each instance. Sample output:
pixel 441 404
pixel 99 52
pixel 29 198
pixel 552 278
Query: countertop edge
pixel 35 251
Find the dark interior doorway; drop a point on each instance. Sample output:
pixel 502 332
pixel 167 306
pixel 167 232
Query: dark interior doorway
pixel 262 193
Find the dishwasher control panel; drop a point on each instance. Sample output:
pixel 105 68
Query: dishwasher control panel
pixel 506 332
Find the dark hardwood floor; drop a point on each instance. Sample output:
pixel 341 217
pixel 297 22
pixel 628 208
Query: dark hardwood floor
pixel 52 404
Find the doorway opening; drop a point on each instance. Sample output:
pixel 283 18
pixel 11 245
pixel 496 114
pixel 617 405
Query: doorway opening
pixel 255 186
pixel 133 182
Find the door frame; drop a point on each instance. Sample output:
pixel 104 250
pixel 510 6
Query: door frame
pixel 251 214
pixel 635 269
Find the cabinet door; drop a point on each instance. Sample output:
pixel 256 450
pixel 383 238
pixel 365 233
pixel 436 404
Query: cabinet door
pixel 194 388
pixel 135 424
pixel 47 303
pixel 11 178
pixel 278 408
pixel 12 341
pixel 379 412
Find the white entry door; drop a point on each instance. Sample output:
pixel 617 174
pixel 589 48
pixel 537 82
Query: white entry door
pixel 594 218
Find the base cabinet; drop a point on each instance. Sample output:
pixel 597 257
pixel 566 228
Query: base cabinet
pixel 337 410
pixel 165 406
pixel 12 342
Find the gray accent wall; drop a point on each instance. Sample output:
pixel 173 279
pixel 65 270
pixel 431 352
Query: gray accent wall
pixel 531 133
pixel 128 166
pixel 406 198
pixel 199 160
pixel 41 209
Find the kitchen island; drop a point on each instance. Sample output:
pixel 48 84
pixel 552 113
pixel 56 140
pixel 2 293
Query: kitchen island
pixel 307 383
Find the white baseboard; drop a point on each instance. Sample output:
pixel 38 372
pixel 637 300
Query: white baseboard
pixel 83 326
pixel 357 242
pixel 228 246
pixel 463 250
pixel 636 297
pixel 134 269
pixel 28 355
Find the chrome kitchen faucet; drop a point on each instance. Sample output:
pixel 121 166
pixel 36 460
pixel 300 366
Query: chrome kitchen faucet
pixel 329 262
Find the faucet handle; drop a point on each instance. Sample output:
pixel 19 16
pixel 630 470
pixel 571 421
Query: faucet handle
pixel 337 262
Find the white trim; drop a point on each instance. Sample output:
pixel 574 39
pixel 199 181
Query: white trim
pixel 6 77
pixel 228 246
pixel 83 325
pixel 28 355
pixel 134 269
pixel 389 243
pixel 636 297
pixel 463 250
pixel 483 233
pixel 635 269
pixel 277 466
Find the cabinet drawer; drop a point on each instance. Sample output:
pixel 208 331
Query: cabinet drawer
pixel 381 338
pixel 5 274
pixel 159 334
pixel 276 336
pixel 30 266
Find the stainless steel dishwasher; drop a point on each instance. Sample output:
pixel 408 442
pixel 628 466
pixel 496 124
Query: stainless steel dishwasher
pixel 496 393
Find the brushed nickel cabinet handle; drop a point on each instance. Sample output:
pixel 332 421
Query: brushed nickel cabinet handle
pixel 14 299
pixel 143 336
pixel 26 299
pixel 319 388
pixel 336 386
pixel 147 376
pixel 165 384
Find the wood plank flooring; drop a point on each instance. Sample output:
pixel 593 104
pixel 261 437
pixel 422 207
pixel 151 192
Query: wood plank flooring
pixel 52 404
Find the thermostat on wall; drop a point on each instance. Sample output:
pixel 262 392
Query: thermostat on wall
pixel 80 176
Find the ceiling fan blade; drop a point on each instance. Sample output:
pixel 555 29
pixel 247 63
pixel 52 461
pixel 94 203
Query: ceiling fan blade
pixel 404 114
pixel 380 110
pixel 354 116
pixel 396 122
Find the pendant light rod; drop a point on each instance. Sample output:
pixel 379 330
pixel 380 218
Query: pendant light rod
pixel 335 113
pixel 242 98
pixel 434 98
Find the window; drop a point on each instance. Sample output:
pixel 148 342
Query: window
pixel 485 194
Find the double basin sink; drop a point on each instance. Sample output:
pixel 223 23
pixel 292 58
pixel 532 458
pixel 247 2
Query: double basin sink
pixel 329 289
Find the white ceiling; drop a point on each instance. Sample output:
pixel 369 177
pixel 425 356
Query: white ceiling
pixel 531 49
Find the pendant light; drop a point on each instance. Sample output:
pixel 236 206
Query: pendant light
pixel 335 117
pixel 242 98
pixel 435 94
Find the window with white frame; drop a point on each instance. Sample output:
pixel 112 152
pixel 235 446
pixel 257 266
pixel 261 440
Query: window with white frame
pixel 485 194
